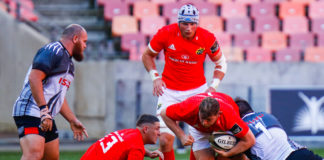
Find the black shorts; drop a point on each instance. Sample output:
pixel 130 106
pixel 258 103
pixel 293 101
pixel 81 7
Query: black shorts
pixel 31 125
pixel 303 154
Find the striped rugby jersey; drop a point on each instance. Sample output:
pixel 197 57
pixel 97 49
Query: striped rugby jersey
pixel 55 61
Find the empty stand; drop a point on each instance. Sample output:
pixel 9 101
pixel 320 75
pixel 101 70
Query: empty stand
pixel 150 25
pixel 249 2
pixel 258 54
pixel 136 52
pixel 316 9
pixel 233 9
pixel 314 54
pixel 233 54
pixel 206 8
pixel 301 41
pixel 213 23
pixel 132 40
pixel 288 55
pixel 266 24
pixel 246 41
pixel 238 25
pixel 124 25
pixel 318 25
pixel 293 25
pixel 224 39
pixel 306 2
pixel 263 10
pixel 171 10
pixel 273 1
pixel 145 8
pixel 163 1
pixel 218 2
pixel 320 39
pixel 115 8
pixel 274 40
pixel 289 9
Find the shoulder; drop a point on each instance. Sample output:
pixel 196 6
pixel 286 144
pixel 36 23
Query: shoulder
pixel 169 29
pixel 204 33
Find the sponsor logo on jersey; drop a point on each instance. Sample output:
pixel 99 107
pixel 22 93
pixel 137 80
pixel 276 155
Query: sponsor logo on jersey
pixel 172 47
pixel 200 51
pixel 184 56
pixel 159 106
pixel 236 129
pixel 64 82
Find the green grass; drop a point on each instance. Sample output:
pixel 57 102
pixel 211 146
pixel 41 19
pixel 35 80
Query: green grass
pixel 76 155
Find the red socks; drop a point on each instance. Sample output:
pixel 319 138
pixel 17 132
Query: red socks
pixel 169 155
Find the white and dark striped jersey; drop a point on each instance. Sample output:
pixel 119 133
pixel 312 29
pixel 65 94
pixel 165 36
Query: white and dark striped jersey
pixel 55 61
pixel 272 142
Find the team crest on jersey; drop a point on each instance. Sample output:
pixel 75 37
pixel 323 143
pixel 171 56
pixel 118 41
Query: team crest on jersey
pixel 200 51
pixel 159 106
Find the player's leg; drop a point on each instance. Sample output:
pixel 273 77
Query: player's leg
pixel 205 154
pixel 302 154
pixel 32 139
pixel 51 151
pixel 201 147
pixel 32 146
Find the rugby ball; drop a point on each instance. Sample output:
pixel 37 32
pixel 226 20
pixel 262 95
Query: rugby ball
pixel 222 141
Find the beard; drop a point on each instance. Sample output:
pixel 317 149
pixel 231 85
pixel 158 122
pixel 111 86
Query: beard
pixel 77 52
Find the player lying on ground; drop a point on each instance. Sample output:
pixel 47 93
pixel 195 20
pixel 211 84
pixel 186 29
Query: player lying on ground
pixel 206 113
pixel 127 144
pixel 272 141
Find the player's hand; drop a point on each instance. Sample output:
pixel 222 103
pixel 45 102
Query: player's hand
pixel 210 89
pixel 220 152
pixel 158 86
pixel 46 119
pixel 187 140
pixel 78 130
pixel 155 154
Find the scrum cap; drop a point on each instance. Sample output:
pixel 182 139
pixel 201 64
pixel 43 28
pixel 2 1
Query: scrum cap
pixel 188 13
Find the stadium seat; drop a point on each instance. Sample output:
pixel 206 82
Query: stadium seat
pixel 224 39
pixel 238 25
pixel 218 2
pixel 306 2
pixel 115 8
pixel 213 23
pixel 3 6
pixel 130 40
pixel 301 41
pixel 320 39
pixel 293 25
pixel 273 1
pixel 314 54
pixel 150 25
pixel 162 2
pixel 289 9
pixel 145 8
pixel 233 9
pixel 136 52
pixel 206 8
pixel 316 10
pixel 288 55
pixel 170 10
pixel 258 54
pixel 124 25
pixel 246 41
pixel 318 25
pixel 263 10
pixel 233 54
pixel 249 2
pixel 28 14
pixel 266 24
pixel 274 40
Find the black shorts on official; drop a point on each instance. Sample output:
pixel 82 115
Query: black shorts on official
pixel 303 154
pixel 31 125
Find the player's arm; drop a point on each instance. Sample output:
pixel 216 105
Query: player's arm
pixel 35 80
pixel 185 139
pixel 135 154
pixel 246 142
pixel 148 59
pixel 76 126
pixel 154 154
pixel 220 69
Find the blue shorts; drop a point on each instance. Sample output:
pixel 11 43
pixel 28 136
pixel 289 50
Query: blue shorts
pixel 31 125
pixel 303 154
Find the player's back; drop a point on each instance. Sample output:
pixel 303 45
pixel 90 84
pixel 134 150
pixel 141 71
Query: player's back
pixel 116 145
pixel 271 140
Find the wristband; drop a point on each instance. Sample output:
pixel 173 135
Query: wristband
pixel 154 74
pixel 215 83
pixel 42 107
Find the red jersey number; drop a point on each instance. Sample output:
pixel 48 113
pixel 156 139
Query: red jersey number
pixel 110 143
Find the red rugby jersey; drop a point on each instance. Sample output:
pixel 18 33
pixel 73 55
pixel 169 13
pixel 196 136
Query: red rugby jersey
pixel 124 144
pixel 184 59
pixel 229 120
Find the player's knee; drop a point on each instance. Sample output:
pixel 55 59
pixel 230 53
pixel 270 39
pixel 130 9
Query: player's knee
pixel 32 156
pixel 166 141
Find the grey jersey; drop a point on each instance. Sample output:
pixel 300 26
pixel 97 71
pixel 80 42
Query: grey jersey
pixel 55 61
